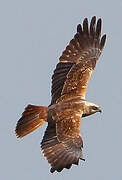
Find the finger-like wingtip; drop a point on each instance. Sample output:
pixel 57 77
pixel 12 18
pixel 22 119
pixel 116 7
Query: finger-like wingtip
pixel 102 42
pixel 98 27
pixel 92 25
pixel 85 26
pixel 79 28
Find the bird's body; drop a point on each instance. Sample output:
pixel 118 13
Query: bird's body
pixel 62 143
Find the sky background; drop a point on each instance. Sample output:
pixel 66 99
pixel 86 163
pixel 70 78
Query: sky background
pixel 33 35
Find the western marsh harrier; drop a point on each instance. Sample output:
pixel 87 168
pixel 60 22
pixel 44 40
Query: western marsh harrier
pixel 62 143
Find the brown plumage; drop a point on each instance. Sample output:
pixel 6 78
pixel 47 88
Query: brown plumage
pixel 62 143
pixel 32 118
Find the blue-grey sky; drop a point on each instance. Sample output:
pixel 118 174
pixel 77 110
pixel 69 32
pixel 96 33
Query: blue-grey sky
pixel 33 35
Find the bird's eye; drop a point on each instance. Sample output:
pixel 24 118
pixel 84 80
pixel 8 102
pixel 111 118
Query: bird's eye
pixel 94 107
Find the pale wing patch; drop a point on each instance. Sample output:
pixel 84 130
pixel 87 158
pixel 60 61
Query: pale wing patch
pixel 77 80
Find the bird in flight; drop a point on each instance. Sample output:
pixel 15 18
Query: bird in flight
pixel 62 143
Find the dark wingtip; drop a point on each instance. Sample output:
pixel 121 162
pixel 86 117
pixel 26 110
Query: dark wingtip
pixel 79 28
pixel 98 27
pixel 52 170
pixel 94 17
pixel 92 25
pixel 102 42
pixel 93 20
pixel 82 159
pixel 69 166
pixel 85 25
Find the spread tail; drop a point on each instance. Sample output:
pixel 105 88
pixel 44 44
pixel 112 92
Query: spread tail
pixel 32 118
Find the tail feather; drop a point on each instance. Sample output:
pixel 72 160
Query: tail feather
pixel 32 118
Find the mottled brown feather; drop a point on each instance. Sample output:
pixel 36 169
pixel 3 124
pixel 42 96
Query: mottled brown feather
pixel 86 46
pixel 32 118
pixel 62 143
pixel 85 39
pixel 77 79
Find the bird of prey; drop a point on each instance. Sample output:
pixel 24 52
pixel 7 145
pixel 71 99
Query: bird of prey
pixel 62 143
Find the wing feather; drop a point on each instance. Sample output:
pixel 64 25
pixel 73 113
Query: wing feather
pixel 77 79
pixel 64 148
pixel 85 38
pixel 91 46
pixel 58 79
pixel 85 27
pixel 92 26
pixel 84 48
pixel 102 43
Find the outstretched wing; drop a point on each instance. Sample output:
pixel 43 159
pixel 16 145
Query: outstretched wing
pixel 86 39
pixel 66 148
pixel 85 48
pixel 62 143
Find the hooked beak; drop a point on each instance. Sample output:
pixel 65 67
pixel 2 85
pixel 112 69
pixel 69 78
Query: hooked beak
pixel 100 110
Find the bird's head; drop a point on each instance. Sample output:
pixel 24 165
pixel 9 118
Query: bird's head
pixel 95 108
pixel 91 108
